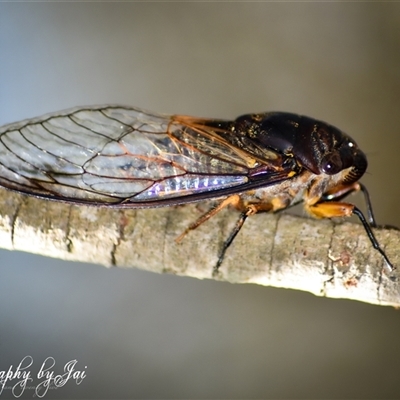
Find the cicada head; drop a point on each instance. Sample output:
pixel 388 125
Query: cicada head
pixel 329 151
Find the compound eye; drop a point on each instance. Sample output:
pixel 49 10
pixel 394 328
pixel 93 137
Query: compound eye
pixel 331 164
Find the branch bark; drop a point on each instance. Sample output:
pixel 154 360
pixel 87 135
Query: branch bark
pixel 321 257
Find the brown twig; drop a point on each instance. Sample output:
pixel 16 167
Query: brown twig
pixel 327 259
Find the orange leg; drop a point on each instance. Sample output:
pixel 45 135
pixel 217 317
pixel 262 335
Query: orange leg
pixel 247 210
pixel 343 190
pixel 233 200
pixel 250 209
pixel 332 209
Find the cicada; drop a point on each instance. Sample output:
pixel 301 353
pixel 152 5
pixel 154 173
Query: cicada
pixel 119 156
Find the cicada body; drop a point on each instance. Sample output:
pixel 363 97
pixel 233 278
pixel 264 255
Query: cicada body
pixel 120 156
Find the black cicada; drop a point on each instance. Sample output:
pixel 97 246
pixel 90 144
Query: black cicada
pixel 125 157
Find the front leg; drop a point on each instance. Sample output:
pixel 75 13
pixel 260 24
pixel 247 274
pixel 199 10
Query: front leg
pixel 331 209
pixel 343 190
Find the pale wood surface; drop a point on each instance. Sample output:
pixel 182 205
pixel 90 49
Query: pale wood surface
pixel 325 258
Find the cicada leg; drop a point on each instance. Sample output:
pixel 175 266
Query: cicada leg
pixel 249 209
pixel 233 200
pixel 246 210
pixel 331 209
pixel 341 191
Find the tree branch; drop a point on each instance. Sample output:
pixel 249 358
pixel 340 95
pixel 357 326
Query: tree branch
pixel 327 259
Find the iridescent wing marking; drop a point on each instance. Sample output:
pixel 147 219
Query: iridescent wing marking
pixel 115 155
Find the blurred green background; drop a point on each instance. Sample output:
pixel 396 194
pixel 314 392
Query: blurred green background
pixel 143 335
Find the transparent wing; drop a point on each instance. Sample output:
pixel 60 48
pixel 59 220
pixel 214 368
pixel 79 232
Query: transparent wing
pixel 115 154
